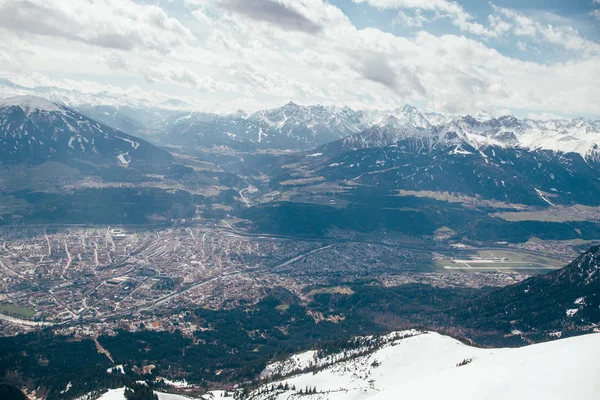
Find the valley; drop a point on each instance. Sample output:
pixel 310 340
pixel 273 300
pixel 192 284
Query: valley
pixel 68 276
pixel 231 254
pixel 299 200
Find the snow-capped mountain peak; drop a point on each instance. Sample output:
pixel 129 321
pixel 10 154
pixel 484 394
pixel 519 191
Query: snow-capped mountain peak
pixel 30 103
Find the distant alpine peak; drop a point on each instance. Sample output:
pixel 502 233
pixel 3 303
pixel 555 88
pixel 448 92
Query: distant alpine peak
pixel 407 108
pixel 576 135
pixel 31 103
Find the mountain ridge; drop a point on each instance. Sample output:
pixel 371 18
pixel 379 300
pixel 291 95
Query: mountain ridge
pixel 300 127
pixel 34 130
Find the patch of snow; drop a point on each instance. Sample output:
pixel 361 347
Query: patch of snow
pixel 133 144
pixel 459 150
pixel 179 384
pixel 124 160
pixel 116 368
pixel 572 311
pixel 543 197
pixel 66 389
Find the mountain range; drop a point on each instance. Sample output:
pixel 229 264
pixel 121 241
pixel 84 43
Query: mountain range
pixel 387 152
pixel 304 127
pixel 301 127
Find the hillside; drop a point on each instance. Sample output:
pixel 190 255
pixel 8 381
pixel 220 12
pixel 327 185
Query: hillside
pixel 561 302
pixel 34 131
pixel 431 366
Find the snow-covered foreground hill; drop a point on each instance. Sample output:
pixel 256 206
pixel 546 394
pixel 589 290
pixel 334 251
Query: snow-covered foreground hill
pixel 428 366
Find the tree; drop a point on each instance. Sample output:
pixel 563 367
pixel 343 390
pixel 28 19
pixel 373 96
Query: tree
pixel 139 391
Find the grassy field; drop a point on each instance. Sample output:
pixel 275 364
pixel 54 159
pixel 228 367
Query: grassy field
pixel 282 307
pixel 10 204
pixel 332 290
pixel 16 311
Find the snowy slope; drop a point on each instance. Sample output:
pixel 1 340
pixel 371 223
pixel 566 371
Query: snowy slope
pixel 426 366
pixel 95 96
pixel 36 130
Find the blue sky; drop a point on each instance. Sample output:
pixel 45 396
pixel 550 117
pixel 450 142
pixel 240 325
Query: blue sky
pixel 536 58
pixel 559 12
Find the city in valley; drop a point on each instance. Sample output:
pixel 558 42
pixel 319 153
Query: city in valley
pixel 96 280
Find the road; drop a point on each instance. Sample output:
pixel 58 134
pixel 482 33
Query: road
pixel 301 256
pixel 241 192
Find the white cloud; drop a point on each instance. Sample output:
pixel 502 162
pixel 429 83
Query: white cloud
pixel 118 24
pixel 564 36
pixel 498 25
pixel 178 75
pixel 595 13
pixel 441 9
pixel 236 59
pixel 415 20
pixel 283 15
pixel 115 61
pixel 543 116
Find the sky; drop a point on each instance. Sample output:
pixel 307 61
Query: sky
pixel 537 58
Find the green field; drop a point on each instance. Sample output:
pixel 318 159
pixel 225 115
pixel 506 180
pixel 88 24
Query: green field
pixel 282 307
pixel 11 204
pixel 16 311
pixel 332 290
